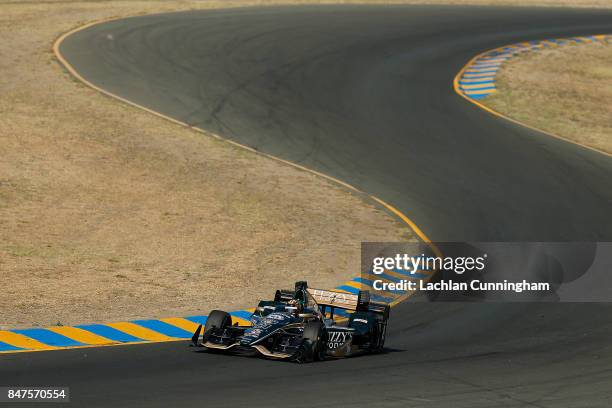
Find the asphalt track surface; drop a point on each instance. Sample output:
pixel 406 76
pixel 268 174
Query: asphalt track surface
pixel 364 94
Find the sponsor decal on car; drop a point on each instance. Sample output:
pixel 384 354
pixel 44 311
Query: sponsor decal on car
pixel 272 318
pixel 337 339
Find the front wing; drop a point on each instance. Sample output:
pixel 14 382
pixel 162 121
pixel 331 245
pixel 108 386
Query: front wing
pixel 229 339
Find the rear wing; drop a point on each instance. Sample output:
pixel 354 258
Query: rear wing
pixel 347 301
pixel 332 298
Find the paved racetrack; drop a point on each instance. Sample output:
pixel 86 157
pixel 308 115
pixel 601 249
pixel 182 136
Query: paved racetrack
pixel 364 94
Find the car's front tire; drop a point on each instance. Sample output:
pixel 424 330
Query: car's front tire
pixel 313 345
pixel 218 319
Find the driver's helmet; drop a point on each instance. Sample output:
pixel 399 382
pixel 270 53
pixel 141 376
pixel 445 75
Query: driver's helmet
pixel 298 301
pixel 301 297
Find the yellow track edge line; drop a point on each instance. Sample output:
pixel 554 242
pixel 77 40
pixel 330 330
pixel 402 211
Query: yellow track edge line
pixel 404 218
pixel 73 71
pixel 501 115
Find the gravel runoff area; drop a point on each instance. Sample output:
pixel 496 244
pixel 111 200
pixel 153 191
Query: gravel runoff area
pixel 572 87
pixel 109 213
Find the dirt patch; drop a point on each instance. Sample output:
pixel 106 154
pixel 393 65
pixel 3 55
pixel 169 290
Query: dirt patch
pixel 572 87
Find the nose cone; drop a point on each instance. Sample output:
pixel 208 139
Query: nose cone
pixel 250 336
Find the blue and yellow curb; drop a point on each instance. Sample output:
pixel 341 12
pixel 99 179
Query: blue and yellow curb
pixel 165 329
pixel 477 79
pixel 93 335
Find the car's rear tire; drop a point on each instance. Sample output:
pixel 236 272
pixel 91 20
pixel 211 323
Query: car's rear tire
pixel 218 319
pixel 378 338
pixel 381 330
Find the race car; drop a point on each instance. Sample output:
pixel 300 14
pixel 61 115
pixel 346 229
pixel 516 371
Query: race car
pixel 301 325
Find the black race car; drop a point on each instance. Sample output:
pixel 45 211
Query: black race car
pixel 299 325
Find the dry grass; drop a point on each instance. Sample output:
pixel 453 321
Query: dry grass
pixel 571 87
pixel 110 213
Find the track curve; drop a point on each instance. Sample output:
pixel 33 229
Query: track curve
pixel 365 94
